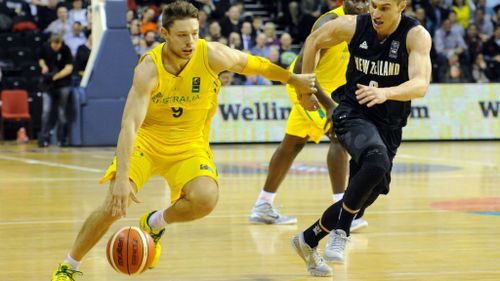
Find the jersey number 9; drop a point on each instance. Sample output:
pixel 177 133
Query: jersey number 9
pixel 177 111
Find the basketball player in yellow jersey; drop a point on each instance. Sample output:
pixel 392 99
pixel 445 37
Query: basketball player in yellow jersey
pixel 303 125
pixel 165 129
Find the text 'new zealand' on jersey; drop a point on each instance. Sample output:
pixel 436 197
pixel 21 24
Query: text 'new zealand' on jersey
pixel 379 63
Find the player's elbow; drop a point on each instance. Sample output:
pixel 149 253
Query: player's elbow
pixel 423 86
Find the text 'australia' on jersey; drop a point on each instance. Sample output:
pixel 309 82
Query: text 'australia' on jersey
pixel 182 106
pixel 379 63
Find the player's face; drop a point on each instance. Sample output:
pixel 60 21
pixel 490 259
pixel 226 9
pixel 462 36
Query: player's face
pixel 356 7
pixel 386 14
pixel 181 37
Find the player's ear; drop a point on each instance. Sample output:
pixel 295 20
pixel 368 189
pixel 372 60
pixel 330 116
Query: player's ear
pixel 402 5
pixel 163 32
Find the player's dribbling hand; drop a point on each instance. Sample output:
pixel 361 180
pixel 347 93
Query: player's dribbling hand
pixel 303 83
pixel 121 193
pixel 370 95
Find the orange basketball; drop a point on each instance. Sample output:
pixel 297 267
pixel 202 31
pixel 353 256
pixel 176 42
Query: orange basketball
pixel 130 250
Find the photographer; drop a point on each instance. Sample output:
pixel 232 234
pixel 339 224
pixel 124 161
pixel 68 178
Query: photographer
pixel 56 64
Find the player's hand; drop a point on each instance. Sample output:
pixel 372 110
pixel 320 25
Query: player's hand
pixel 121 193
pixel 303 83
pixel 370 95
pixel 308 101
pixel 329 122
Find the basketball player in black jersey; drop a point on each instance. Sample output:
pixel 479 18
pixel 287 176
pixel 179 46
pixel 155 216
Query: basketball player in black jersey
pixel 389 66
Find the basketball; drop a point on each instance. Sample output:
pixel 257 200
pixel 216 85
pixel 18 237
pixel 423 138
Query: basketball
pixel 130 250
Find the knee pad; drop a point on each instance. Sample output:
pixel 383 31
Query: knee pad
pixel 377 157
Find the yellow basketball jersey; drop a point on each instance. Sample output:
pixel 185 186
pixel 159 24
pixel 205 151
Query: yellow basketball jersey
pixel 332 67
pixel 181 106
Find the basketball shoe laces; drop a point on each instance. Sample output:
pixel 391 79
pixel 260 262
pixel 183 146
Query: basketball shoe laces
pixel 157 236
pixel 314 254
pixel 64 273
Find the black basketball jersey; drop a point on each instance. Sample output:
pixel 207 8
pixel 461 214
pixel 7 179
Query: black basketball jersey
pixel 379 63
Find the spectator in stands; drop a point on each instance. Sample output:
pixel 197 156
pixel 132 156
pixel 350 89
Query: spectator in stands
pixel 131 15
pixel 311 7
pixel 235 41
pixel 56 65
pixel 226 78
pixel 437 13
pixel 455 25
pixel 447 44
pixel 61 24
pixel 410 11
pixel 148 22
pixel 46 12
pixel 214 31
pixel 148 43
pixel 496 17
pixel 479 69
pixel 231 22
pixel 81 59
pixel 75 38
pixel 260 48
pixel 257 26
pixel 421 16
pixel 272 40
pixel 454 75
pixel 464 9
pixel 287 54
pixel 299 25
pixel 135 34
pixel 202 18
pixel 247 40
pixel 491 51
pixel 16 10
pixel 474 41
pixel 484 24
pixel 77 13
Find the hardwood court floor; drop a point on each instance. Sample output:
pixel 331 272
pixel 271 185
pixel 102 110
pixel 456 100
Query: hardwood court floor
pixel 440 222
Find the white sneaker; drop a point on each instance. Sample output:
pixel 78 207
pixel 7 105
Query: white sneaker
pixel 265 213
pixel 358 224
pixel 314 262
pixel 335 247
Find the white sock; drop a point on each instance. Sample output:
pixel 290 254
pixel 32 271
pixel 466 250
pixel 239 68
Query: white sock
pixel 265 197
pixel 337 197
pixel 71 261
pixel 157 221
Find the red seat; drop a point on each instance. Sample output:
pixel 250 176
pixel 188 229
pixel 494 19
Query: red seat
pixel 15 107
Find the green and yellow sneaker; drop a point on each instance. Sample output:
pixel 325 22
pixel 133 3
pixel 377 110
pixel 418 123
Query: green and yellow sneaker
pixel 156 235
pixel 65 273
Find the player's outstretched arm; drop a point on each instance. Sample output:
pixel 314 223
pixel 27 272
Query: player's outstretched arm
pixel 145 80
pixel 221 57
pixel 418 43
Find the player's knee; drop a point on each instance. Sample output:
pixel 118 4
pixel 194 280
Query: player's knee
pixel 376 160
pixel 205 199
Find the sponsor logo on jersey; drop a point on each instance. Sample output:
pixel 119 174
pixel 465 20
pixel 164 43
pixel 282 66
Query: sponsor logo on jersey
pixel 195 86
pixel 393 51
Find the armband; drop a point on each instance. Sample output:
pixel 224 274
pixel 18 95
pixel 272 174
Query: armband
pixel 263 67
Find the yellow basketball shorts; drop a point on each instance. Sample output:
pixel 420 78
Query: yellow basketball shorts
pixel 177 169
pixel 303 123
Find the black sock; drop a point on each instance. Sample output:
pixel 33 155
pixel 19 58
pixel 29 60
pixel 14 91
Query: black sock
pixel 360 214
pixel 329 219
pixel 345 221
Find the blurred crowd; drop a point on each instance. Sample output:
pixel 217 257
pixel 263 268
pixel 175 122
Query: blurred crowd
pixel 45 44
